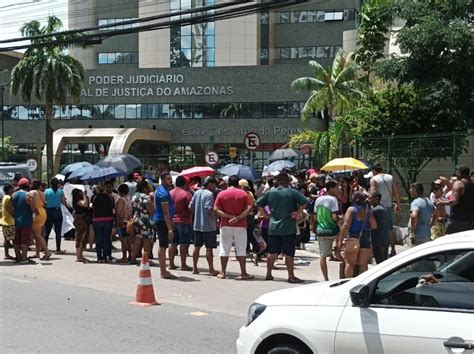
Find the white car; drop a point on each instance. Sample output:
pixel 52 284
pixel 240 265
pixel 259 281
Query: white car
pixel 391 308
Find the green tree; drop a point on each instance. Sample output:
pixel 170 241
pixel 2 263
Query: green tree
pixel 437 50
pixel 10 150
pixel 47 73
pixel 391 125
pixel 372 35
pixel 333 89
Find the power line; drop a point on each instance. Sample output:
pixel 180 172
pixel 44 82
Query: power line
pixel 216 16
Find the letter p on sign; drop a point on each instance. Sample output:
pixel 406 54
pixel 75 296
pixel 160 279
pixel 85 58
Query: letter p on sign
pixel 252 141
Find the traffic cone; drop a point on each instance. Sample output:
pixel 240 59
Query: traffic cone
pixel 145 293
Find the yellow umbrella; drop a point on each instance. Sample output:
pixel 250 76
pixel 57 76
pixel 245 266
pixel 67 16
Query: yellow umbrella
pixel 344 164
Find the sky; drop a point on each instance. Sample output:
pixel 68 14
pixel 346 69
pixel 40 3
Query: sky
pixel 14 13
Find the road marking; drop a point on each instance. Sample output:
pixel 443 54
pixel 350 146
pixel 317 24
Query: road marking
pixel 198 313
pixel 19 280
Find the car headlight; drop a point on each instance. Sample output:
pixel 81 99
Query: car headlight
pixel 255 310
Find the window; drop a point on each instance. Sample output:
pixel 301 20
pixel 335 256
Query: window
pixel 315 16
pixel 284 17
pixel 118 21
pixel 118 58
pixel 452 284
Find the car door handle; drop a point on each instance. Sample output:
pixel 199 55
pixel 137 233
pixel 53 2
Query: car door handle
pixel 458 343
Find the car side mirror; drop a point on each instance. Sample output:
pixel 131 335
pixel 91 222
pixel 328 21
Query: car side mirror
pixel 360 295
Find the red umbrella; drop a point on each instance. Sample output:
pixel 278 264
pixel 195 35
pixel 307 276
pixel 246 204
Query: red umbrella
pixel 198 171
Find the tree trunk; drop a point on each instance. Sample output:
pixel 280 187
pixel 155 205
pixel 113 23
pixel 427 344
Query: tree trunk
pixel 49 141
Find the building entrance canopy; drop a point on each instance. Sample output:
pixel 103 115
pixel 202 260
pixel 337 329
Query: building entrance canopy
pixel 119 139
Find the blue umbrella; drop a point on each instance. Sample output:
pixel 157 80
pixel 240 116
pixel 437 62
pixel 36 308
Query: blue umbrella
pixel 279 165
pixel 102 174
pixel 74 167
pixel 82 171
pixel 242 171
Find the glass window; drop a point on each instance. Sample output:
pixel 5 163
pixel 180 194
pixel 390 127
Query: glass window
pixel 443 280
pixel 86 111
pixel 127 58
pixel 209 41
pixel 186 30
pixel 134 58
pixel 165 110
pixel 245 110
pixel 284 17
pixel 102 58
pixel 120 111
pixel 119 58
pixel 75 112
pixel 110 58
pixel 141 111
pixel 210 54
pixel 311 16
pixel 108 111
pixel 294 110
pixel 174 5
pixel 185 42
pixel 303 17
pixel 263 53
pixel 320 16
pixel 281 110
pixel 131 111
pixel 349 15
pixel 329 16
pixel 97 111
pixel 187 111
pixel 257 110
pixel 294 16
pixel 294 53
pixel 152 111
pixel 338 15
pixel 269 110
pixel 264 17
pixel 319 52
pixel 209 29
pixel 196 55
pixel 199 111
pixel 284 53
pixel 102 23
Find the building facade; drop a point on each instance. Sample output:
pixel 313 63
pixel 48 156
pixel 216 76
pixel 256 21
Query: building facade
pixel 208 84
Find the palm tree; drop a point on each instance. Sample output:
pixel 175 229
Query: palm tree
pixel 48 74
pixel 333 89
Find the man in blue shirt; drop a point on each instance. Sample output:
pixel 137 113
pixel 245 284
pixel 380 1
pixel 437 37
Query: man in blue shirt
pixel 164 211
pixel 422 215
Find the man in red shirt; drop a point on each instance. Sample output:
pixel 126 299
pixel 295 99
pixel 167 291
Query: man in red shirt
pixel 232 206
pixel 182 223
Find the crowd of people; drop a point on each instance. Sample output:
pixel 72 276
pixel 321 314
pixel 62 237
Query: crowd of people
pixel 351 217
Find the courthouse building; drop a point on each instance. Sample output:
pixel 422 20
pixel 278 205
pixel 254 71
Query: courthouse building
pixel 174 94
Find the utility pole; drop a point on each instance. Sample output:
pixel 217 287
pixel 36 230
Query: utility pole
pixel 2 87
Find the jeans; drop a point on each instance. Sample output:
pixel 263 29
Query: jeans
pixel 103 230
pixel 54 217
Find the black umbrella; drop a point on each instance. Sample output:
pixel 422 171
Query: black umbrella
pixel 124 162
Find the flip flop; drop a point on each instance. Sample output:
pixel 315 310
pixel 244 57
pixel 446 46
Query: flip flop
pixel 187 268
pixel 295 280
pixel 213 274
pixel 246 277
pixel 169 276
pixel 269 277
pixel 221 276
pixel 46 257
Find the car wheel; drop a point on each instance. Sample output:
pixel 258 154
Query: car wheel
pixel 290 348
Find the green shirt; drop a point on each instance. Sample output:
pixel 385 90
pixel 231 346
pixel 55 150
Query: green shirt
pixel 282 202
pixel 324 208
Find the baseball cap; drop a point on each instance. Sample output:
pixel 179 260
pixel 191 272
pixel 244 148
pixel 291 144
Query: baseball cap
pixel 23 182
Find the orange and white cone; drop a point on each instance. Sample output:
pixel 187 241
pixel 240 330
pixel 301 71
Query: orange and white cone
pixel 145 294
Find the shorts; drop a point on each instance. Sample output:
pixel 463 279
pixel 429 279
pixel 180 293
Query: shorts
pixel 389 218
pixel 285 244
pixel 9 232
pixel 364 239
pixel 209 239
pixel 325 245
pixel 122 232
pixel 22 236
pixel 162 231
pixel 183 234
pixel 230 234
pixel 437 230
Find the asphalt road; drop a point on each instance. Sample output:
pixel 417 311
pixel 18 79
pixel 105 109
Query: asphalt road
pixel 40 317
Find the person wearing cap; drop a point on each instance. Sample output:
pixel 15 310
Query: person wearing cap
pixel 286 206
pixel 204 225
pixel 182 223
pixel 23 215
pixel 232 206
pixel 461 217
pixel 386 185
